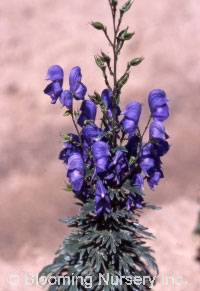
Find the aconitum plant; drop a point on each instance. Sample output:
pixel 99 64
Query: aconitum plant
pixel 107 165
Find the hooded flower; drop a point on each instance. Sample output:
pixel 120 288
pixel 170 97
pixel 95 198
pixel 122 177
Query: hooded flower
pixel 157 132
pixel 106 97
pixel 138 181
pixel 69 148
pixel 54 89
pixel 88 111
pixel 158 104
pixel 76 171
pixel 101 153
pixel 77 89
pixel 131 117
pixel 91 132
pixel 102 201
pixel 147 159
pixel 154 177
pixel 134 200
pixel 118 164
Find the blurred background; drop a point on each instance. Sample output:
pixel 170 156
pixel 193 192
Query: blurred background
pixel 36 34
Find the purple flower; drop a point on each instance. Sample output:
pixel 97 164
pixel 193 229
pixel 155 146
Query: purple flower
pixel 134 200
pixel 133 111
pixel 55 73
pixel 101 153
pixel 131 117
pixel 54 89
pixel 90 133
pixel 119 165
pixel 132 145
pixel 76 171
pixel 66 99
pixel 102 201
pixel 157 132
pixel 158 104
pixel 106 97
pixel 88 111
pixel 76 87
pixel 138 181
pixel 69 148
pixel 129 126
pixel 154 177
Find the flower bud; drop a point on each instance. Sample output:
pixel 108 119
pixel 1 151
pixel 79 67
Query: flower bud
pixel 126 35
pixel 135 62
pixel 127 5
pixel 105 58
pixel 98 25
pixel 99 62
pixel 122 81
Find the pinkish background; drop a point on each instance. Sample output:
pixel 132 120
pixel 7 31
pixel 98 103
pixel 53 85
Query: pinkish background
pixel 36 34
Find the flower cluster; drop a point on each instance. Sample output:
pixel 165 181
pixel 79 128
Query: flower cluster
pixel 95 165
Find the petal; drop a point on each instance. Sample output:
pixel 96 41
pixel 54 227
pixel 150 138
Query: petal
pixel 133 111
pixel 146 164
pixel 156 99
pixel 100 149
pixel 100 189
pixel 154 178
pixel 138 181
pixel 66 99
pixel 157 130
pixel 55 73
pixel 75 78
pixel 54 90
pixel 161 113
pixel 106 97
pixel 88 111
pixel 75 162
pixel 129 126
pixel 101 164
pixel 80 92
pixel 76 179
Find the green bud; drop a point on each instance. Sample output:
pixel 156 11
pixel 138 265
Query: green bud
pixel 126 35
pixel 126 6
pixel 105 58
pixel 67 187
pixel 96 98
pixel 135 62
pixel 67 137
pixel 67 113
pixel 99 62
pixel 122 81
pixel 132 160
pixel 98 25
pixel 88 121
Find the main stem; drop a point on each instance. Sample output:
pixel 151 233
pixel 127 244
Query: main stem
pixel 114 98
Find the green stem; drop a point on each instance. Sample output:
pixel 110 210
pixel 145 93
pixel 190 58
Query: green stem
pixel 113 10
pixel 146 127
pixel 75 125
